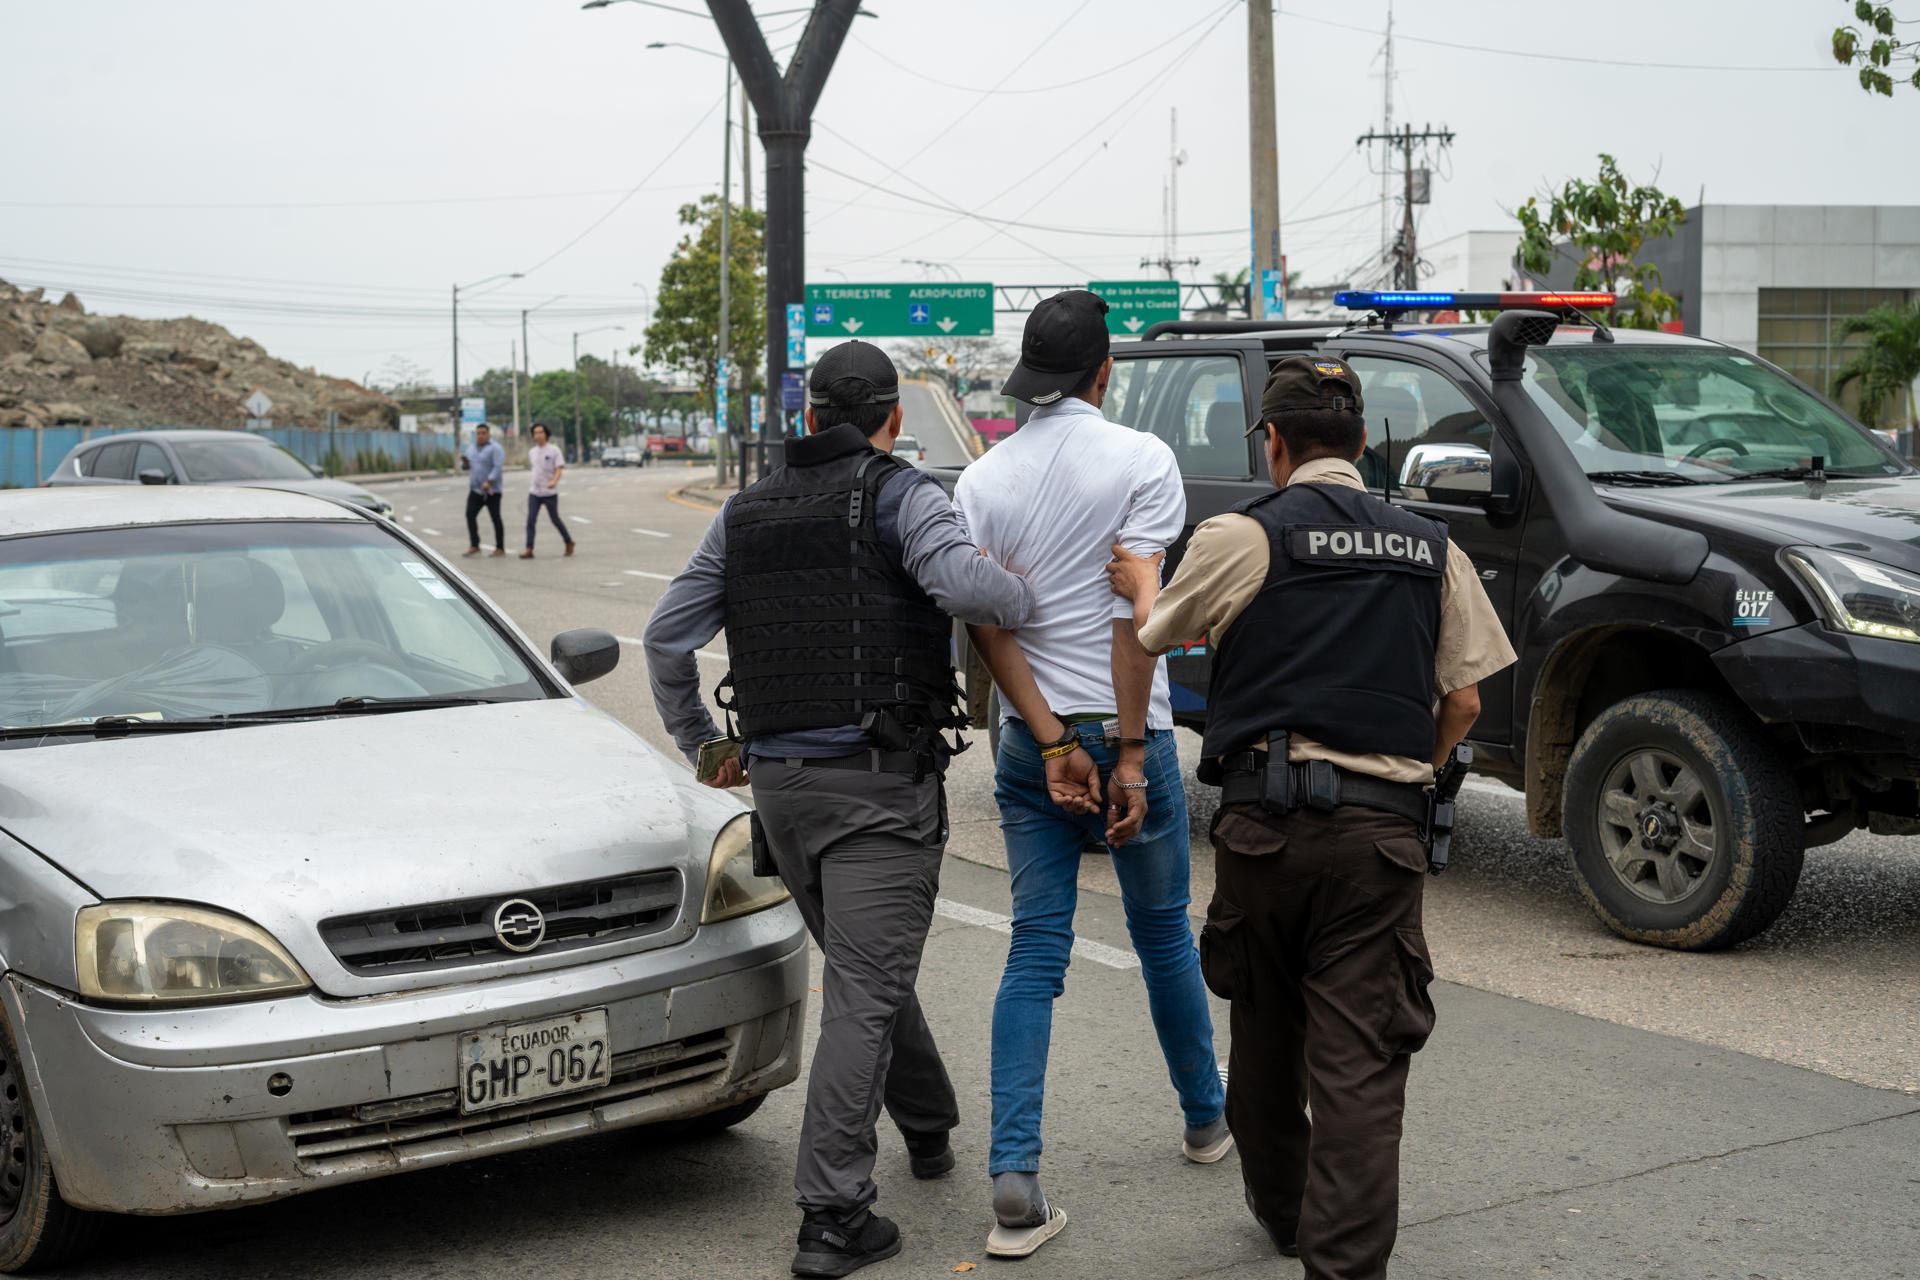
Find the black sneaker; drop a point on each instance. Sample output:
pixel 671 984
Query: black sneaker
pixel 1288 1244
pixel 929 1155
pixel 830 1247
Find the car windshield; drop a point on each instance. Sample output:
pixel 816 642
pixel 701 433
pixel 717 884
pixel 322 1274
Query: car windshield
pixel 1700 414
pixel 183 622
pixel 244 458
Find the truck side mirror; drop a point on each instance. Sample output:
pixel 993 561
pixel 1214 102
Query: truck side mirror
pixel 1461 473
pixel 585 653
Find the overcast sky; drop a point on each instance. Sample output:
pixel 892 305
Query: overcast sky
pixel 316 176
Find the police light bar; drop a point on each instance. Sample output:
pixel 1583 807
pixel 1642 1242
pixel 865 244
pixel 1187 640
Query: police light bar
pixel 1357 300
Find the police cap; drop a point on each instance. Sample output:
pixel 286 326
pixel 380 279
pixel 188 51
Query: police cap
pixel 857 360
pixel 1309 383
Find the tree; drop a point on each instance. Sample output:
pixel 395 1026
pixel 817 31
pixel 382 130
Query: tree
pixel 1877 56
pixel 949 359
pixel 1605 223
pixel 497 386
pixel 400 376
pixel 685 332
pixel 1886 364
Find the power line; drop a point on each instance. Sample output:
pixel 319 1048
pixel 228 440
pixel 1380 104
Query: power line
pixel 206 205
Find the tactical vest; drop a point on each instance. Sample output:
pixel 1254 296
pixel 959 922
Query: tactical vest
pixel 1338 646
pixel 823 625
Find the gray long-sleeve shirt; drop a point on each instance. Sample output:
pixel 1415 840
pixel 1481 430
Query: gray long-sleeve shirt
pixel 914 520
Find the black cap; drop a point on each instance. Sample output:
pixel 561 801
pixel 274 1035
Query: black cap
pixel 857 360
pixel 1319 384
pixel 1065 341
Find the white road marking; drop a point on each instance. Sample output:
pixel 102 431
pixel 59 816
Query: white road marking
pixel 645 573
pixel 409 519
pixel 1085 948
pixel 583 519
pixel 432 533
pixel 711 655
pixel 629 639
pixel 651 533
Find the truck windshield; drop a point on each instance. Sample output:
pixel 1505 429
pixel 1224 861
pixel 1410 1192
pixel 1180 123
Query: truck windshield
pixel 1704 415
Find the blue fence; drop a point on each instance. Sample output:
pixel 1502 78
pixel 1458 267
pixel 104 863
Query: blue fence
pixel 29 455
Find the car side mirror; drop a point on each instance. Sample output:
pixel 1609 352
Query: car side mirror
pixel 585 653
pixel 153 475
pixel 1460 473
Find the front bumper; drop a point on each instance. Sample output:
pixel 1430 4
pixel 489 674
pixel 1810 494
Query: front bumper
pixel 1841 693
pixel 372 1079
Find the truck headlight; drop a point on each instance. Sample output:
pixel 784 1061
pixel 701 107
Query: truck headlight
pixel 1860 596
pixel 162 953
pixel 732 888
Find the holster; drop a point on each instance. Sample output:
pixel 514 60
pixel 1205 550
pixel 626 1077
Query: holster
pixel 763 863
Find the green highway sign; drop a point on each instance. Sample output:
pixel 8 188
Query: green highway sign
pixel 899 310
pixel 1132 305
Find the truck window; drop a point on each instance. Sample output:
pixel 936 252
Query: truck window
pixel 1194 403
pixel 1409 404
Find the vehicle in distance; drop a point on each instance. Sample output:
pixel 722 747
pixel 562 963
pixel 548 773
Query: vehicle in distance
pixel 202 457
pixel 622 456
pixel 909 448
pixel 249 801
pixel 1710 574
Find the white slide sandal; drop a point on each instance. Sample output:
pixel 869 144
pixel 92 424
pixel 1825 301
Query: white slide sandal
pixel 1019 1242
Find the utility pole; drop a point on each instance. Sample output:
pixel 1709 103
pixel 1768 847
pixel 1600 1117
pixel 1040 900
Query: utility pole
pixel 456 369
pixel 722 417
pixel 616 393
pixel 1405 252
pixel 1386 131
pixel 746 155
pixel 578 456
pixel 513 358
pixel 1170 208
pixel 1264 162
pixel 785 106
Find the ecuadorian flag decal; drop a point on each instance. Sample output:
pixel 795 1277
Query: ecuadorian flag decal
pixel 1332 368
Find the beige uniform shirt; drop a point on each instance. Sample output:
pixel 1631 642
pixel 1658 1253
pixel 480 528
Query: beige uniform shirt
pixel 1225 565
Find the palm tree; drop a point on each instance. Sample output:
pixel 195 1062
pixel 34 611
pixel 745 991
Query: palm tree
pixel 1886 364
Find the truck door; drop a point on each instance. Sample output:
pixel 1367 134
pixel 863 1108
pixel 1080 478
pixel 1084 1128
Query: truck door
pixel 1407 404
pixel 1199 397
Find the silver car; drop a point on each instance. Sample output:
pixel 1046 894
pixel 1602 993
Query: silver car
pixel 312 870
pixel 200 456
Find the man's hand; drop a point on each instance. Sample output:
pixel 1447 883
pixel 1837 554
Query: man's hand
pixel 1126 806
pixel 1073 782
pixel 729 774
pixel 1131 576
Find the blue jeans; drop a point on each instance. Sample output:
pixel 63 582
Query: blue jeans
pixel 1043 853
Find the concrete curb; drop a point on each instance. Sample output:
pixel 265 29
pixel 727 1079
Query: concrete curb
pixel 694 495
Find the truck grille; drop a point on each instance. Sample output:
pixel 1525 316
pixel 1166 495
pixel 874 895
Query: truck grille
pixel 443 935
pixel 395 1124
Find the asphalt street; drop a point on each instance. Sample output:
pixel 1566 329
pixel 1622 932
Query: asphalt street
pixel 1586 1108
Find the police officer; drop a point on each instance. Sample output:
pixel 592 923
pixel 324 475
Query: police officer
pixel 1337 620
pixel 836 578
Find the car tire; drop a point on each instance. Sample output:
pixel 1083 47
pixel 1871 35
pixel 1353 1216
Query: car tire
pixel 705 1126
pixel 1684 823
pixel 40 1229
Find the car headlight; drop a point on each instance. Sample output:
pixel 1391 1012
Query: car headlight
pixel 161 953
pixel 732 888
pixel 1860 596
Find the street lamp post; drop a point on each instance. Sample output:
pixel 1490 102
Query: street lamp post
pixel 579 440
pixel 504 275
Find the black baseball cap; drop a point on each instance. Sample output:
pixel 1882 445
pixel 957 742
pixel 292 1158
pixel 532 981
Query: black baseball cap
pixel 854 359
pixel 1319 384
pixel 1065 341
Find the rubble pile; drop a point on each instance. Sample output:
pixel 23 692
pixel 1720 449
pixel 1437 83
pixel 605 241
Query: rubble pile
pixel 60 365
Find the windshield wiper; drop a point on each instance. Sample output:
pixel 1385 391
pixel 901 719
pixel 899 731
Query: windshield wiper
pixel 127 726
pixel 1804 473
pixel 1642 477
pixel 360 703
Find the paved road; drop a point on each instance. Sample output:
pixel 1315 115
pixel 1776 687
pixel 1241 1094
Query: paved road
pixel 923 420
pixel 1587 1108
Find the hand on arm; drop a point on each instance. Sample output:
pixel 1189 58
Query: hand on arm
pixel 1073 780
pixel 1137 579
pixel 1133 669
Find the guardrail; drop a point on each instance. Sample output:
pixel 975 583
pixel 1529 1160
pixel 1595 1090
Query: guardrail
pixel 28 455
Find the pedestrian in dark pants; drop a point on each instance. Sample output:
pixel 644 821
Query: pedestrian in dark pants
pixel 485 463
pixel 543 489
pixel 1337 620
pixel 836 579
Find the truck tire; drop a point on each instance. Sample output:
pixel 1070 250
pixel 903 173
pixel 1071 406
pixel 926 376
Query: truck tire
pixel 1684 823
pixel 38 1229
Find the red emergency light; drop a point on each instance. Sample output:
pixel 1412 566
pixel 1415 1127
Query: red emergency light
pixel 1361 300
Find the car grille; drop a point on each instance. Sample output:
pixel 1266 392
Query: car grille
pixel 394 1124
pixel 442 935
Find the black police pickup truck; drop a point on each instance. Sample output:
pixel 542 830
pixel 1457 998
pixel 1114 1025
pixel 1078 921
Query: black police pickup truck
pixel 1711 575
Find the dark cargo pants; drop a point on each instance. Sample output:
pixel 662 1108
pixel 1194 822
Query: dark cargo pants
pixel 1314 938
pixel 861 854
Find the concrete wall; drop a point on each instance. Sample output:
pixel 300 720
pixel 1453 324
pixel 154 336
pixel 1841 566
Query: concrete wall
pixel 1746 248
pixel 1472 260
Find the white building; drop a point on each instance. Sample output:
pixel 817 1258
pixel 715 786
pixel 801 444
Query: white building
pixel 1473 261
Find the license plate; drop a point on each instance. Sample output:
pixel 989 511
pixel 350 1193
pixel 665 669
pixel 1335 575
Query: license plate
pixel 527 1061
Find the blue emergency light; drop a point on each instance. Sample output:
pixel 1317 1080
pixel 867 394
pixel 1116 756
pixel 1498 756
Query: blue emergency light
pixel 1361 300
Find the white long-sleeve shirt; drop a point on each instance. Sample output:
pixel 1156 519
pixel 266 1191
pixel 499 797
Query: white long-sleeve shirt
pixel 1049 502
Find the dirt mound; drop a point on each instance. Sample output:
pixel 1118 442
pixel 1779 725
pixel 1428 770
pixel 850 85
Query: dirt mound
pixel 60 365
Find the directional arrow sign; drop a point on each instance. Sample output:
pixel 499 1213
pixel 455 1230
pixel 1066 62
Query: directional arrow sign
pixel 898 310
pixel 1135 304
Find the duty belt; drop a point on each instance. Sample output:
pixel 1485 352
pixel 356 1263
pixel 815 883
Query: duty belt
pixel 917 763
pixel 1319 785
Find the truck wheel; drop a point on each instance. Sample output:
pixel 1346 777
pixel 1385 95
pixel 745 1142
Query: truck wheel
pixel 37 1228
pixel 1684 823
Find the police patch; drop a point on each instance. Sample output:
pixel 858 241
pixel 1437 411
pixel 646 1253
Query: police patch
pixel 1331 369
pixel 1330 544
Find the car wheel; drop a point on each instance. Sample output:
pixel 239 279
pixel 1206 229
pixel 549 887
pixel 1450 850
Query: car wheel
pixel 38 1228
pixel 1684 823
pixel 705 1126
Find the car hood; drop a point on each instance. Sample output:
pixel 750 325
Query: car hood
pixel 319 487
pixel 291 824
pixel 1878 517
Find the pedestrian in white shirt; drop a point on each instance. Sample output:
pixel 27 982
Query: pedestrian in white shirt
pixel 546 462
pixel 1086 743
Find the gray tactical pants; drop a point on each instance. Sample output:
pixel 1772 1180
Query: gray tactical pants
pixel 861 854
